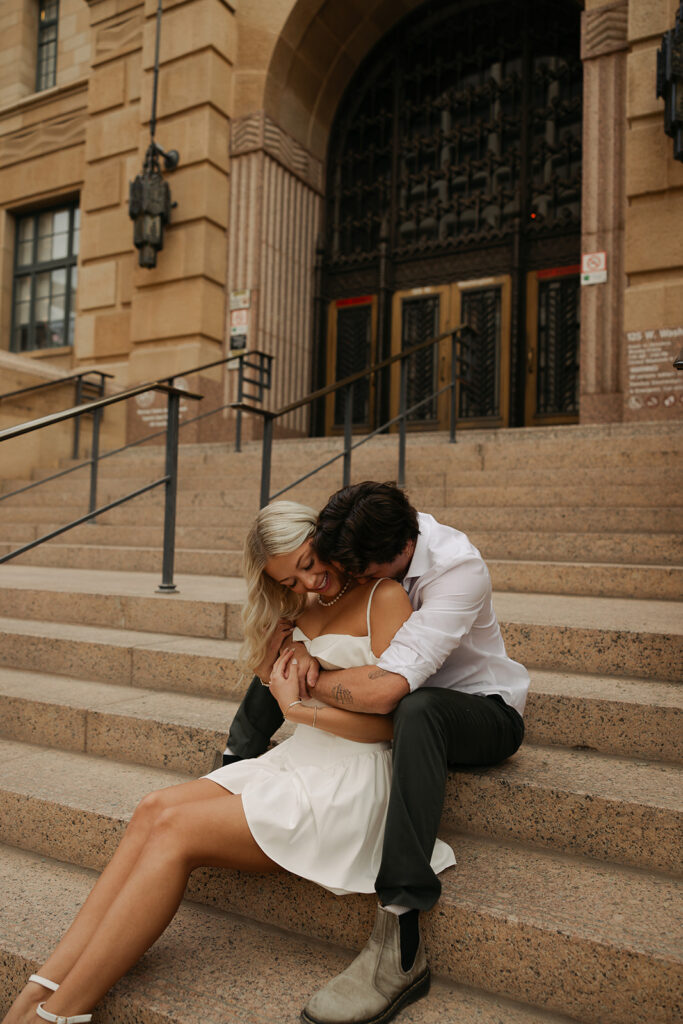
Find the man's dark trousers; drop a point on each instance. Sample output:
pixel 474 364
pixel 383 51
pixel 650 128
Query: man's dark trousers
pixel 434 729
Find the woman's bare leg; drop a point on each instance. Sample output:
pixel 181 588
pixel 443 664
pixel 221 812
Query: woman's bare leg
pixel 107 888
pixel 211 832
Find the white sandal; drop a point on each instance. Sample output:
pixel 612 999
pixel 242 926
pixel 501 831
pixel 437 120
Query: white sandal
pixel 45 982
pixel 81 1018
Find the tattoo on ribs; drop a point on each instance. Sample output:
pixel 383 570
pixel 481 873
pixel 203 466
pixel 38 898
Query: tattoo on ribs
pixel 342 695
pixel 376 675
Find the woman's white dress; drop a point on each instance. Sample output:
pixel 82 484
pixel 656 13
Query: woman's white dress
pixel 316 803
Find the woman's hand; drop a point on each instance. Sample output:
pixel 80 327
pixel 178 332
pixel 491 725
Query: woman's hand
pixel 284 683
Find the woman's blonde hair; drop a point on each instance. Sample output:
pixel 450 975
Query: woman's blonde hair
pixel 279 528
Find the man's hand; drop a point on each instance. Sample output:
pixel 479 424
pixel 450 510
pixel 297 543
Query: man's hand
pixel 307 667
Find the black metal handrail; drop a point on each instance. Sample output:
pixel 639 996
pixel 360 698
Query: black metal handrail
pixel 170 478
pixel 458 335
pixel 82 386
pixel 54 383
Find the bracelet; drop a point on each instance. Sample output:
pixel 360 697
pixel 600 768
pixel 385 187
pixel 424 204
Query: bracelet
pixel 264 684
pixel 284 713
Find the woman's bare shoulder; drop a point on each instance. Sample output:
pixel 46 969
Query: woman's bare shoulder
pixel 390 594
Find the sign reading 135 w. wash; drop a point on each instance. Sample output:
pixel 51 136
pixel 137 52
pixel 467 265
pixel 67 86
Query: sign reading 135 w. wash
pixel 654 387
pixel 594 268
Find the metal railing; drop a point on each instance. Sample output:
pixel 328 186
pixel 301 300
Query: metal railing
pixel 84 389
pixel 459 337
pixel 170 478
pixel 260 363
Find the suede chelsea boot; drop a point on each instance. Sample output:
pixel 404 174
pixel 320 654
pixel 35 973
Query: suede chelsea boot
pixel 374 987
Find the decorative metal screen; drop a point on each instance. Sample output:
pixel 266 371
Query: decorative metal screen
pixel 558 346
pixel 458 115
pixel 354 341
pixel 481 309
pixel 420 321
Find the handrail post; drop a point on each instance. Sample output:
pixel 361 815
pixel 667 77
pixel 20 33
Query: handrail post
pixel 401 480
pixel 348 434
pixel 454 374
pixel 265 460
pixel 94 459
pixel 240 397
pixel 77 419
pixel 173 406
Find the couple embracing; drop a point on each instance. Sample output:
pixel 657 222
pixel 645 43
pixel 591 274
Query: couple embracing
pixel 395 671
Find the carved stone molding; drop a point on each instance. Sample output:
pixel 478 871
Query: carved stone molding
pixel 604 30
pixel 43 138
pixel 119 36
pixel 258 132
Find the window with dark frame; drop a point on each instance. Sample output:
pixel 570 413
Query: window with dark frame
pixel 46 70
pixel 45 271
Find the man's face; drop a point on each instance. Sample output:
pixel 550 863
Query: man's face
pixel 394 570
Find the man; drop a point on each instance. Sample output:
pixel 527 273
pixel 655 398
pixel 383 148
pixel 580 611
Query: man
pixel 456 699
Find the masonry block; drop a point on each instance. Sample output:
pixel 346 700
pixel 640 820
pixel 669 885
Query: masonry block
pixel 189 28
pixel 112 133
pixel 650 305
pixel 653 236
pixel 45 176
pixel 201 190
pixel 103 183
pixel 190 250
pixel 97 285
pixel 648 18
pixel 105 233
pixel 640 93
pixel 107 87
pixel 192 81
pixel 177 309
pixel 201 134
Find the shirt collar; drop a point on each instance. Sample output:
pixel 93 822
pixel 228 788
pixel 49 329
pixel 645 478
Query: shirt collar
pixel 421 561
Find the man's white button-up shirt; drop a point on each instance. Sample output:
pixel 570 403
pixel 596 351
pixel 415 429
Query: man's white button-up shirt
pixel 452 639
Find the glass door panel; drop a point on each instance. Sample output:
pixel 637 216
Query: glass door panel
pixel 484 399
pixel 352 331
pixel 552 385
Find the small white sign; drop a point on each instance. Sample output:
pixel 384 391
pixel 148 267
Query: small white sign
pixel 593 268
pixel 240 299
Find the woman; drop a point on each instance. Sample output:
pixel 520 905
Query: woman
pixel 261 815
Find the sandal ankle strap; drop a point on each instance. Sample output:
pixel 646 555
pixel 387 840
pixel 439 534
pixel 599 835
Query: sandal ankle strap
pixel 81 1018
pixel 45 982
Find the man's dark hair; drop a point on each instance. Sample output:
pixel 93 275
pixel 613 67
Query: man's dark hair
pixel 364 523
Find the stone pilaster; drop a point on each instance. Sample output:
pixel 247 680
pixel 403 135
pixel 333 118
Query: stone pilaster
pixel 274 217
pixel 603 49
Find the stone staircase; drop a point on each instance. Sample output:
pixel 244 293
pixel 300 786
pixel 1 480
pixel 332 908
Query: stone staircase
pixel 564 903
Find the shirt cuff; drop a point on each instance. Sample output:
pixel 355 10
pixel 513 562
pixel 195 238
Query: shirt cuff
pixel 414 675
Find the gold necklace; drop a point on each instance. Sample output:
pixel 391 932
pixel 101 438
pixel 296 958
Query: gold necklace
pixel 328 604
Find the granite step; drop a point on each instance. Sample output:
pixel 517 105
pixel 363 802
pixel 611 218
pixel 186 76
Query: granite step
pixel 229 492
pixel 597 579
pixel 539 520
pixel 566 933
pixel 639 548
pixel 231 980
pixel 638 718
pixel 572 800
pixel 615 637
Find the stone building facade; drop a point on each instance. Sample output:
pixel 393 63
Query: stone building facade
pixel 262 99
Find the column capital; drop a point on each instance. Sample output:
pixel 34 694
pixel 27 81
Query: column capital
pixel 604 30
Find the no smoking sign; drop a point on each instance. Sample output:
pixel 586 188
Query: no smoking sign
pixel 593 267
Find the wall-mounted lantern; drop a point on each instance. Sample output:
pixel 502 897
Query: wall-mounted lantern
pixel 670 82
pixel 149 197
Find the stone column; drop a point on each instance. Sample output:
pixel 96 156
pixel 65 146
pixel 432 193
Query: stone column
pixel 274 221
pixel 603 50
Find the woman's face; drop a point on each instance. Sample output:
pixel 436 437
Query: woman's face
pixel 302 572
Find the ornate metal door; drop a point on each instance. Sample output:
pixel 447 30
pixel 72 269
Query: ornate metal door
pixel 456 156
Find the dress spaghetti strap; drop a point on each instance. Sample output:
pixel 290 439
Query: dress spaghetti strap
pixel 367 612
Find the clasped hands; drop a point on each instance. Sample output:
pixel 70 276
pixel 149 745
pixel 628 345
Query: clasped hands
pixel 294 672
